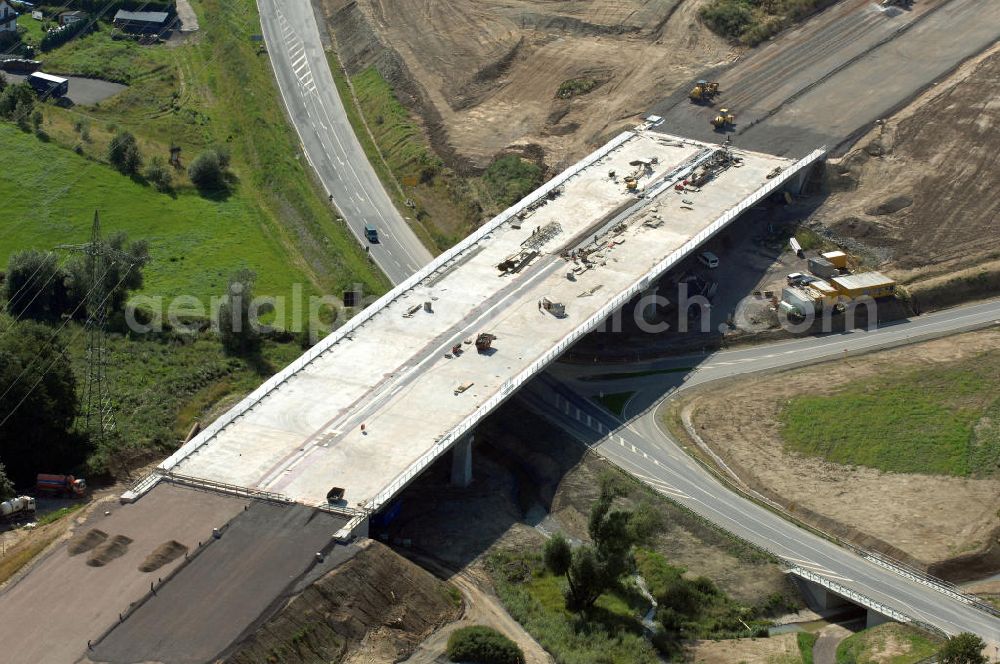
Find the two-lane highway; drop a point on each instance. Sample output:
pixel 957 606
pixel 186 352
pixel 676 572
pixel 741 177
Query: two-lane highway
pixel 317 112
pixel 644 449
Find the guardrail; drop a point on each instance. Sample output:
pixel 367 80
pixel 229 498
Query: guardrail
pixel 639 285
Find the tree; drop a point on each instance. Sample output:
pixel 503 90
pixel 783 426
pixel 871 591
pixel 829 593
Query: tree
pixel 614 533
pixel 16 102
pixel 238 334
pixel 158 174
pixel 558 555
pixel 120 277
pixel 965 648
pixel 483 645
pixel 123 153
pixel 36 286
pixel 38 404
pixel 208 170
pixel 6 486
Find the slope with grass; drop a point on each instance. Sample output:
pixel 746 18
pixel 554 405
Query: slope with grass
pixel 890 643
pixel 213 89
pixel 939 420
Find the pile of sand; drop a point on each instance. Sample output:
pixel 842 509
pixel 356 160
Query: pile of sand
pixel 86 541
pixel 116 547
pixel 163 554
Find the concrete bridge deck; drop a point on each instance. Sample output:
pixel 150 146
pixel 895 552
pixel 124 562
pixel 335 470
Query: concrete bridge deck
pixel 301 433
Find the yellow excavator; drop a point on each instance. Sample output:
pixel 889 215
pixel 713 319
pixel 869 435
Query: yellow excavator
pixel 724 119
pixel 703 91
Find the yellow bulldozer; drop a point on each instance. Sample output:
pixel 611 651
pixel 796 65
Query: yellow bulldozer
pixel 703 91
pixel 723 119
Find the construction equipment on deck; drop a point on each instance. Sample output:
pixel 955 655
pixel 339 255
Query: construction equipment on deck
pixel 724 119
pixel 484 341
pixel 703 91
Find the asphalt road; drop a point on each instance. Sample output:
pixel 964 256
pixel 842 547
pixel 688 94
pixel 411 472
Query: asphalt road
pixel 641 447
pixel 310 95
pixel 836 74
pixel 82 91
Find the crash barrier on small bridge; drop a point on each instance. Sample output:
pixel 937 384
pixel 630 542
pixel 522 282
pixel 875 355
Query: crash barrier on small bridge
pixel 864 600
pixel 890 564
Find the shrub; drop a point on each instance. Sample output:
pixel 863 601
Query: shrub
pixel 483 645
pixel 727 17
pixel 159 175
pixel 123 153
pixel 511 178
pixel 208 170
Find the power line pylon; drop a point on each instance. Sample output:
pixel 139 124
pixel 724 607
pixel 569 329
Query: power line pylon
pixel 98 409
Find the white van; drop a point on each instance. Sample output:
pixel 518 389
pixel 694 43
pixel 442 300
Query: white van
pixel 709 259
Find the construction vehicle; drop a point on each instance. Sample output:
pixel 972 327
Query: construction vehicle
pixel 703 91
pixel 484 341
pixel 61 485
pixel 15 507
pixel 724 119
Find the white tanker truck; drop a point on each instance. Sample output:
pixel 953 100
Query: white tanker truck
pixel 15 507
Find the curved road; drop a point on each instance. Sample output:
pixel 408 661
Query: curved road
pixel 644 449
pixel 328 141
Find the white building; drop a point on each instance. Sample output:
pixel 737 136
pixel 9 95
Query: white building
pixel 8 18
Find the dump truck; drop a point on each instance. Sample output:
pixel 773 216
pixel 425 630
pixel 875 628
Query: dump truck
pixel 703 91
pixel 17 507
pixel 61 485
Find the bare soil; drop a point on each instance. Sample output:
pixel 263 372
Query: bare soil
pixel 916 195
pixel 163 554
pixel 485 76
pixel 112 549
pixel 86 541
pixel 375 607
pixel 779 649
pixel 920 518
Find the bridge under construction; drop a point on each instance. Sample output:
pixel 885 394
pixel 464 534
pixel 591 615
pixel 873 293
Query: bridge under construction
pixel 408 378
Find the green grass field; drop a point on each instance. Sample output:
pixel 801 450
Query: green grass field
pixel 939 420
pixel 217 89
pixel 195 242
pixel 868 646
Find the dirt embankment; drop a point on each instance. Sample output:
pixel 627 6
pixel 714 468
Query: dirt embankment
pixel 949 525
pixel 485 77
pixel 917 196
pixel 374 608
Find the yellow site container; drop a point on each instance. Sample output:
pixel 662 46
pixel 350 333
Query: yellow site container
pixel 838 258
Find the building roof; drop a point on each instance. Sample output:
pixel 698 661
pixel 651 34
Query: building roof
pixel 48 77
pixel 144 17
pixel 863 280
pixel 73 13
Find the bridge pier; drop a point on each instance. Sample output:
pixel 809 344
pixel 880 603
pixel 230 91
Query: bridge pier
pixel 461 462
pixel 819 598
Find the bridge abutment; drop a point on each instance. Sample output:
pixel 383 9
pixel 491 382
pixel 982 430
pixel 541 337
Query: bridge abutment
pixel 461 461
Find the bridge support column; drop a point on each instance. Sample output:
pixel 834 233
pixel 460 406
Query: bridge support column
pixel 874 619
pixel 819 598
pixel 461 462
pixel 648 303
